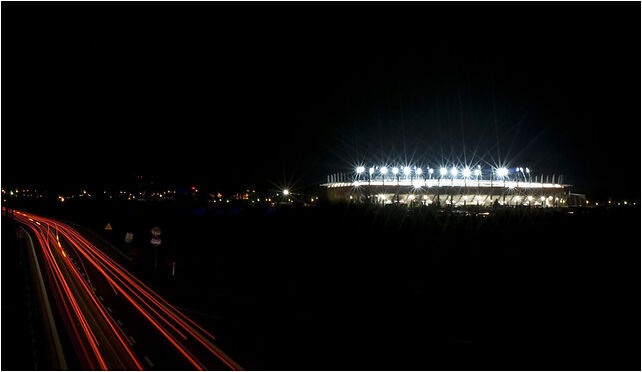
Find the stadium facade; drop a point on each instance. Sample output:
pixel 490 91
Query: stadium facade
pixel 449 187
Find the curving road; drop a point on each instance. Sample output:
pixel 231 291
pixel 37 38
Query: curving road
pixel 114 321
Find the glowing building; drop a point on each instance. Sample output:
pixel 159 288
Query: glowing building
pixel 448 185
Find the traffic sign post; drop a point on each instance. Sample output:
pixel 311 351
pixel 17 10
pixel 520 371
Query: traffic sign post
pixel 129 237
pixel 155 242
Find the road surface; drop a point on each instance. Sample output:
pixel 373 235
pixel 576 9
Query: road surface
pixel 114 321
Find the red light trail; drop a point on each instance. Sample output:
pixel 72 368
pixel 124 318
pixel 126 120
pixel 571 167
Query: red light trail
pixel 75 268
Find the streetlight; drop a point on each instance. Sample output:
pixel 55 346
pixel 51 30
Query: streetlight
pixel 286 192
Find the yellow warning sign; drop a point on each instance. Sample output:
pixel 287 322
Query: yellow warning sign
pixel 108 227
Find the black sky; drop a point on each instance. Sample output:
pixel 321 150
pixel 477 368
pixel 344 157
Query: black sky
pixel 235 94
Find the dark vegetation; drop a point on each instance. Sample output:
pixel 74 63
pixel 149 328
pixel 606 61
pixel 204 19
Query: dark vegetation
pixel 353 287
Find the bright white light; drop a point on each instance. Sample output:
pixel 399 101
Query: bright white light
pixel 361 170
pixel 453 171
pixel 530 198
pixel 528 170
pixel 477 172
pixel 443 171
pixel 406 170
pixel 418 171
pixel 466 172
pixel 411 197
pixel 502 172
pixel 417 184
pixel 395 170
pixel 425 197
pixel 384 170
pixel 542 198
pixel 371 170
pixel 430 170
pixel 286 192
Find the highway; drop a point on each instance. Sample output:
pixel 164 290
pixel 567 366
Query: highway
pixel 113 320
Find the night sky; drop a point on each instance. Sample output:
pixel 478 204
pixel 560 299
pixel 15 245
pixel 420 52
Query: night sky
pixel 236 94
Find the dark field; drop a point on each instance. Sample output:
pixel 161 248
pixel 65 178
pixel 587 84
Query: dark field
pixel 356 288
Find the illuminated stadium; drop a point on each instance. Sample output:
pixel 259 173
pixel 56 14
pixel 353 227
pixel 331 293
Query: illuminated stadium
pixel 449 186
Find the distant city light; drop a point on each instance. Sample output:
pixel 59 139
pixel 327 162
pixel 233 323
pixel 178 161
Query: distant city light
pixel 453 171
pixel 466 172
pixel 384 170
pixel 502 172
pixel 361 169
pixel 418 171
pixel 443 171
pixel 286 192
pixel 406 170
pixel 431 171
pixel 371 170
pixel 477 172
pixel 395 170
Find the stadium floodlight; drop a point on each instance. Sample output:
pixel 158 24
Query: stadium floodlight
pixel 466 172
pixel 384 170
pixel 371 170
pixel 361 169
pixel 501 172
pixel 443 171
pixel 395 170
pixel 418 171
pixel 453 172
pixel 477 172
pixel 406 170
pixel 286 192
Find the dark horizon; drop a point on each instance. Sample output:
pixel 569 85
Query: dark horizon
pixel 232 95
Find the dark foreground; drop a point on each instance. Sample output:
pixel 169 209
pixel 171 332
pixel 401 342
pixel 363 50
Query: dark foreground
pixel 341 288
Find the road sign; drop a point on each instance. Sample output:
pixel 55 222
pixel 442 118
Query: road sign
pixel 155 241
pixel 129 237
pixel 156 231
pixel 108 227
